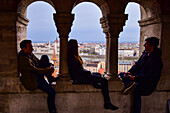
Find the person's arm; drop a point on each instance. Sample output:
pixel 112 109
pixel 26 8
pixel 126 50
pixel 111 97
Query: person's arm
pixel 153 71
pixel 26 64
pixel 75 69
pixel 85 71
pixel 74 65
pixel 136 68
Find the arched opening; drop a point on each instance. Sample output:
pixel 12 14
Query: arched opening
pixel 35 22
pixel 41 26
pixel 143 21
pixel 128 49
pixel 150 22
pixel 42 31
pixel 87 30
pixel 22 21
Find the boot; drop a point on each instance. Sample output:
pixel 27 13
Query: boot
pixel 130 88
pixel 109 105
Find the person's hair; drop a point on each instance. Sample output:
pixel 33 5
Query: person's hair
pixel 72 47
pixel 153 41
pixel 24 43
pixel 44 62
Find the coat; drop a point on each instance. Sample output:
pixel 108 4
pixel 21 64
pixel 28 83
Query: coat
pixel 77 72
pixel 29 71
pixel 147 71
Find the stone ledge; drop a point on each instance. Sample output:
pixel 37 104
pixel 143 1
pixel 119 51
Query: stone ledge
pixel 68 87
pixel 12 85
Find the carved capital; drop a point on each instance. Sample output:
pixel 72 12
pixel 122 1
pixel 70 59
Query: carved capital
pixel 22 20
pixel 104 23
pixel 113 23
pixel 63 23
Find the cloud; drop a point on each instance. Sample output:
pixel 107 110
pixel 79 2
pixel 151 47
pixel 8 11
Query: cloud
pixel 87 16
pixel 131 31
pixel 41 26
pixel 86 26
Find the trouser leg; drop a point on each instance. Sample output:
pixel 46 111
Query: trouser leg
pixel 125 80
pixel 136 101
pixel 44 86
pixel 96 79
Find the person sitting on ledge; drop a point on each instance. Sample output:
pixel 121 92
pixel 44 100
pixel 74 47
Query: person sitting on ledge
pixel 143 77
pixel 81 76
pixel 43 63
pixel 32 76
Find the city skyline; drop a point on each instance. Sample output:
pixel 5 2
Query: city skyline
pixel 86 26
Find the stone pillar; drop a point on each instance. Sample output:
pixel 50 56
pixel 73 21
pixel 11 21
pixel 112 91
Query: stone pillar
pixel 107 51
pixel 63 23
pixel 21 27
pixel 113 25
pixel 8 53
pixel 104 23
pixel 164 83
pixel 113 55
pixel 8 57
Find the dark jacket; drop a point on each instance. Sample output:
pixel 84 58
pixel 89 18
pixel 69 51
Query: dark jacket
pixel 147 71
pixel 77 72
pixel 29 71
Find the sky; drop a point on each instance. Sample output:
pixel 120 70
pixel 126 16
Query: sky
pixel 86 26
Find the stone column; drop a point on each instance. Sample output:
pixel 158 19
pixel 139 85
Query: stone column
pixel 164 83
pixel 107 51
pixel 8 52
pixel 104 23
pixel 63 23
pixel 113 55
pixel 115 24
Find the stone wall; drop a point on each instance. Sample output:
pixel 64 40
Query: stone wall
pixel 79 99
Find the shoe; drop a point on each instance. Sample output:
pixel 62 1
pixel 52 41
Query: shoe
pixel 110 106
pixel 107 77
pixel 130 88
pixel 53 111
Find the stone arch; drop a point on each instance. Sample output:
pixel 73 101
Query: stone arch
pixel 150 23
pixel 150 9
pixel 22 7
pixel 22 21
pixel 100 3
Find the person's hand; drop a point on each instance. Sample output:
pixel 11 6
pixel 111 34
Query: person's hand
pixel 107 77
pixel 52 69
pixel 129 76
pixel 132 78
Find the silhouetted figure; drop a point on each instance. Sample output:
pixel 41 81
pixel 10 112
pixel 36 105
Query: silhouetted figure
pixel 143 77
pixel 81 76
pixel 43 63
pixel 32 77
